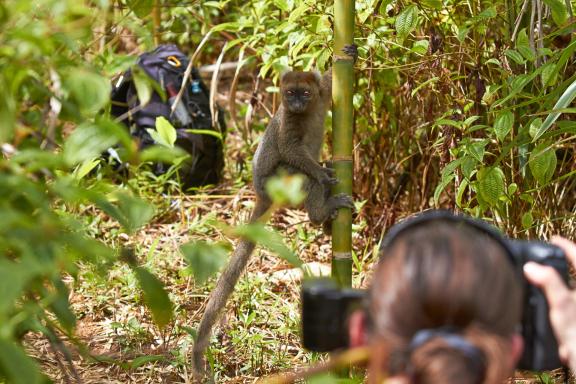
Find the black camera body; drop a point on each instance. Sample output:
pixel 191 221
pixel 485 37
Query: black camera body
pixel 326 307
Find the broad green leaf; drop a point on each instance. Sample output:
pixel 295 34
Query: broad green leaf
pixel 204 259
pixel 515 55
pixel 468 166
pixel 406 21
pixel 503 124
pixel 420 47
pixel 257 233
pixel 477 149
pixel 143 85
pixel 490 184
pixel 527 220
pixel 542 163
pixel 141 8
pixel 282 4
pixel 90 90
pixel 286 189
pixel 13 279
pixel 163 154
pixel 460 194
pixel 208 132
pixel 549 74
pixel 134 211
pixel 89 140
pixel 155 297
pixel 559 12
pixel 523 46
pixel 18 368
pixel 166 133
pixel 562 102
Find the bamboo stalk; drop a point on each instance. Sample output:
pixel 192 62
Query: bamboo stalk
pixel 156 19
pixel 342 123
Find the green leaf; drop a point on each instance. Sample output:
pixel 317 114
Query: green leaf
pixel 491 184
pixel 141 8
pixel 468 166
pixel 160 153
pixel 204 259
pixel 142 360
pixel 85 168
pixel 165 133
pixel 61 306
pixel 420 47
pixel 89 90
pixel 442 186
pixel 542 163
pixel 535 127
pixel 143 85
pixel 16 366
pixel 477 149
pixel 257 233
pixel 564 100
pixel 89 140
pixel 282 4
pixel 406 22
pixel 434 4
pixel 559 12
pixel 155 297
pixel 527 220
pixel 503 125
pixel 523 46
pixel 133 211
pixel 549 74
pixel 515 55
pixel 286 189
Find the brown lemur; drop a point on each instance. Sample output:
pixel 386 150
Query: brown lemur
pixel 292 142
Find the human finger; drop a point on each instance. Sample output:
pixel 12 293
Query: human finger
pixel 567 246
pixel 547 279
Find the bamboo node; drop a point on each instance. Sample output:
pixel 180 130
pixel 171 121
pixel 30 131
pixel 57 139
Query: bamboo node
pixel 342 255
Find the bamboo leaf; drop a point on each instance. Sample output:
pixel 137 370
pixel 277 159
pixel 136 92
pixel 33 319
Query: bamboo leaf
pixel 564 100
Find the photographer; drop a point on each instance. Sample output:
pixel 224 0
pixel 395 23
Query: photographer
pixel 449 303
pixel 443 308
pixel 561 300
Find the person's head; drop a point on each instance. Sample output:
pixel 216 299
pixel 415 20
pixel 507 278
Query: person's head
pixel 443 307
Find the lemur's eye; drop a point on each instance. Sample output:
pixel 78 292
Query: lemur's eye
pixel 290 92
pixel 306 93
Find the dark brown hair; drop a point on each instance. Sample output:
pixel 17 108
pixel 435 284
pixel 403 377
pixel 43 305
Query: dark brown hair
pixel 444 274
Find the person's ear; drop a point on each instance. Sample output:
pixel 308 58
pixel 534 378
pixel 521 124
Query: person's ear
pixel 357 329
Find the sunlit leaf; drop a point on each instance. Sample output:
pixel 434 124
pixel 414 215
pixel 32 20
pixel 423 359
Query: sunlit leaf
pixel 564 100
pixel 559 12
pixel 204 259
pixel 141 8
pixel 155 297
pixel 271 240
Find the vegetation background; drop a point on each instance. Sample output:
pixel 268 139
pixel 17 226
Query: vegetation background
pixel 462 104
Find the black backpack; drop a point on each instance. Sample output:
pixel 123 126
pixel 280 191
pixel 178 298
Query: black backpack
pixel 166 65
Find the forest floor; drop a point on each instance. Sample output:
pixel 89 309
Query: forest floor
pixel 115 338
pixel 257 336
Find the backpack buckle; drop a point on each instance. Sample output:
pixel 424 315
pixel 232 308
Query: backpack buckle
pixel 173 61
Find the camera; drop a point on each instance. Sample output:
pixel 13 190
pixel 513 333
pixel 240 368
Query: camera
pixel 326 307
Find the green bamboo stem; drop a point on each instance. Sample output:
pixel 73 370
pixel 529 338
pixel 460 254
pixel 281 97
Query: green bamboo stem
pixel 156 19
pixel 342 123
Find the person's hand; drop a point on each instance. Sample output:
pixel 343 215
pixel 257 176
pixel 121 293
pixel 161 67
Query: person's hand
pixel 561 300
